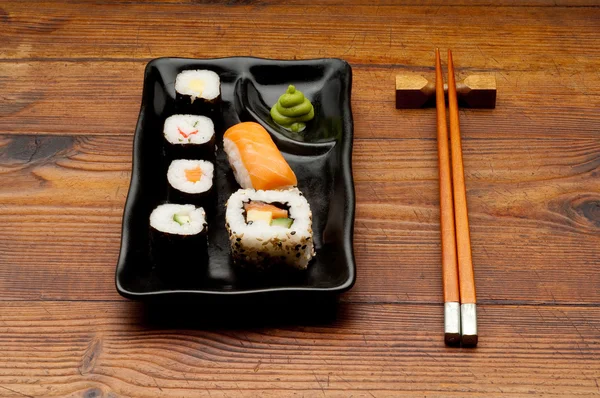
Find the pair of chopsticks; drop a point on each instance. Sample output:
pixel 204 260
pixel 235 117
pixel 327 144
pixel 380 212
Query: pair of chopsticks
pixel 460 317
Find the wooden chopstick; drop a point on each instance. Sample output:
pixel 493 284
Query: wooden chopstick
pixel 449 262
pixel 461 219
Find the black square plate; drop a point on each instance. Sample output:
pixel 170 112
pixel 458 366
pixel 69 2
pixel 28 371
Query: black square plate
pixel 320 156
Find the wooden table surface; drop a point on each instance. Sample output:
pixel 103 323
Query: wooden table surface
pixel 71 78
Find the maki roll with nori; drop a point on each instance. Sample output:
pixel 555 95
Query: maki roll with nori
pixel 178 236
pixel 270 229
pixel 189 136
pixel 191 181
pixel 198 89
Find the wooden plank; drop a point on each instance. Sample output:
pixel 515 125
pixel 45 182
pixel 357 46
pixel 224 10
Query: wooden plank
pixel 124 349
pixel 97 98
pixel 372 3
pixel 502 38
pixel 529 199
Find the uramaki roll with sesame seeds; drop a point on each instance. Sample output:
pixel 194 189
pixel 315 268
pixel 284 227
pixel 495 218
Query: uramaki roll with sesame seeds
pixel 270 229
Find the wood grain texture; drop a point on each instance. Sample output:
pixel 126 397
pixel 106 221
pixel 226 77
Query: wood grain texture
pixel 384 350
pixel 105 98
pixel 374 3
pixel 523 37
pixel 528 199
pixel 70 81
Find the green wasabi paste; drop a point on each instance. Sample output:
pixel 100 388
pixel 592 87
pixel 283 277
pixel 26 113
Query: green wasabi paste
pixel 292 110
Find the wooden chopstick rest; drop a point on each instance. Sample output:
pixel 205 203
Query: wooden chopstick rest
pixel 475 91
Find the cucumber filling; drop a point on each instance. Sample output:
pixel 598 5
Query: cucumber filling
pixel 282 222
pixel 181 218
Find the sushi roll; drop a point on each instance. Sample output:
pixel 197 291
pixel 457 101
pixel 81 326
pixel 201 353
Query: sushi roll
pixel 255 160
pixel 198 87
pixel 189 136
pixel 178 235
pixel 191 181
pixel 270 229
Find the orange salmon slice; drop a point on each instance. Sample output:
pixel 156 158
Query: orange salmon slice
pixel 265 164
pixel 276 211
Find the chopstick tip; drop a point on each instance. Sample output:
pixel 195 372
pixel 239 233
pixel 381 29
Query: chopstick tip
pixel 468 325
pixel 452 323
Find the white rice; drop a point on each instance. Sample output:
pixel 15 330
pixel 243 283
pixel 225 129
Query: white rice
pixel 235 160
pixel 260 243
pixel 198 84
pixel 177 124
pixel 177 179
pixel 161 219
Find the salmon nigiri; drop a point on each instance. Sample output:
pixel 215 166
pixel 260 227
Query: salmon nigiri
pixel 255 159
